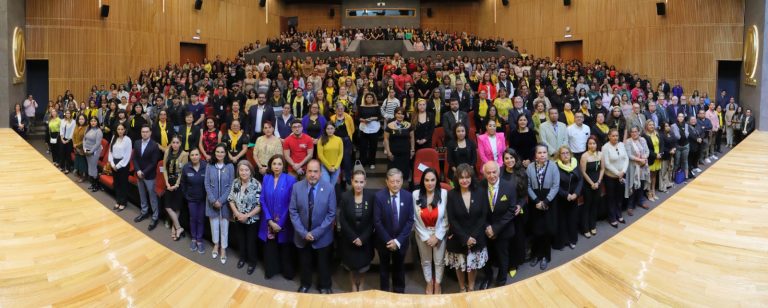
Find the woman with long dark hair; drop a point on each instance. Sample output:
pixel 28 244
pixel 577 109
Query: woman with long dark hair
pixel 120 149
pixel 81 166
pixel 514 172
pixel 567 199
pixel 462 150
pixel 92 151
pixel 370 126
pixel 193 186
pixel 399 144
pixel 431 224
pixel 592 170
pixel 173 161
pixel 218 180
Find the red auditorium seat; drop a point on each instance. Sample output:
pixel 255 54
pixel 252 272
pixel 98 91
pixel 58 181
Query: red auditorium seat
pixel 427 157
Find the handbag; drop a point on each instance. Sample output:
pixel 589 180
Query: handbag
pixel 679 176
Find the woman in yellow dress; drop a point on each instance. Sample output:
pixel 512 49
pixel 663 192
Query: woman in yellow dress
pixel 656 147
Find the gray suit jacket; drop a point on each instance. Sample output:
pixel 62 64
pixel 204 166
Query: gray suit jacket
pixel 553 140
pixel 323 214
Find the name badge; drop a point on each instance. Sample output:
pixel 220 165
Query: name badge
pixel 303 146
pixel 190 174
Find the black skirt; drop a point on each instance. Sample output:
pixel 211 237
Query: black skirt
pixel 173 199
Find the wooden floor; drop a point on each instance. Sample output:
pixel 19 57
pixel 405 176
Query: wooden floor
pixel 705 246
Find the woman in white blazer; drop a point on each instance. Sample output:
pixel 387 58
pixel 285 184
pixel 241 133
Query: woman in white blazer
pixel 431 225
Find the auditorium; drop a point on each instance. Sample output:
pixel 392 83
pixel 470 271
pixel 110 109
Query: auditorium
pixel 408 153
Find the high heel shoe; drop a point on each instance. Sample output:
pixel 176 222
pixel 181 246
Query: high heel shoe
pixel 173 234
pixel 180 234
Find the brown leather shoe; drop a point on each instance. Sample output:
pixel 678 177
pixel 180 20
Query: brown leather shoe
pixel 644 206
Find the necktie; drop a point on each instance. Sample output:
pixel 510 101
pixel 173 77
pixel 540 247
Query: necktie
pixel 491 195
pixel 394 210
pixel 311 203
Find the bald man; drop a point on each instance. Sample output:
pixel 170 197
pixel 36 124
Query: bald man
pixel 500 198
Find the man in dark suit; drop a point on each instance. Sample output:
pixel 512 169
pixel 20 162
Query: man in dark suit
pixel 748 126
pixel 146 154
pixel 257 115
pixel 451 118
pixel 462 96
pixel 500 198
pixel 674 109
pixel 656 114
pixel 220 103
pixel 516 112
pixel 312 211
pixel 393 217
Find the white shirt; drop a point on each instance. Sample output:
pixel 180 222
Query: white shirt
pixel 494 148
pixel 259 113
pixel 120 150
pixel 577 138
pixel 144 144
pixel 67 129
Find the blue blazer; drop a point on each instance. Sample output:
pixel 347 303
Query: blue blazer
pixel 383 222
pixel 323 214
pixel 218 190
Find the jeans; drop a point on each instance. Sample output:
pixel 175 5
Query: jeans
pixel 147 188
pixel 330 177
pixel 196 222
pixel 681 158
pixel 432 255
pixel 220 230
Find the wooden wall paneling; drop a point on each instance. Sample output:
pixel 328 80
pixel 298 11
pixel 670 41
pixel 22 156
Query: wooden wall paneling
pixel 450 16
pixel 683 45
pixel 314 16
pixel 83 49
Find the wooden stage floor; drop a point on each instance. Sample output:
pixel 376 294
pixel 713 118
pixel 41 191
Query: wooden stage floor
pixel 705 246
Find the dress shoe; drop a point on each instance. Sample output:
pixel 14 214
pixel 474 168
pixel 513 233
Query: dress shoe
pixel 326 291
pixel 484 284
pixel 240 263
pixel 621 220
pixel 573 246
pixel 645 206
pixel 533 262
pixel 544 264
pixel 250 270
pixel 152 225
pixel 140 217
pixel 303 289
pixel 615 225
pixel 630 212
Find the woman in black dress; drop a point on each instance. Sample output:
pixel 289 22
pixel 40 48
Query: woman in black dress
pixel 567 199
pixel 356 219
pixel 460 151
pixel 514 172
pixel 522 139
pixel 592 170
pixel 423 125
pixel 399 144
pixel 543 185
pixel 173 199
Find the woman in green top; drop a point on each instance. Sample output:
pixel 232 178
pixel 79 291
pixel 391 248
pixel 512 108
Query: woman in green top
pixel 54 127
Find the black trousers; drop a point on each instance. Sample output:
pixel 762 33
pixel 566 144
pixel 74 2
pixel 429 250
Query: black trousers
pixel 307 256
pixel 719 139
pixel 368 146
pixel 614 198
pixel 65 153
pixel 518 243
pixel 589 209
pixel 392 263
pixel 499 257
pixel 348 161
pixel 541 247
pixel 278 259
pixel 247 237
pixel 121 185
pixel 567 223
pixel 636 198
pixel 55 151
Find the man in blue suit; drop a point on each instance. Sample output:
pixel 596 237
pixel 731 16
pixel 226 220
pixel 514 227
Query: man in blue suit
pixel 312 211
pixel 146 154
pixel 393 220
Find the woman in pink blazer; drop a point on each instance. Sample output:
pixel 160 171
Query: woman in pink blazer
pixel 491 145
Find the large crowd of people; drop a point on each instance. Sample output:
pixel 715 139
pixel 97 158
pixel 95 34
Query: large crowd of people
pixel 536 151
pixel 323 40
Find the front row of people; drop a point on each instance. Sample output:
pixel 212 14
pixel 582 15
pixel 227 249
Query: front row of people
pixel 475 226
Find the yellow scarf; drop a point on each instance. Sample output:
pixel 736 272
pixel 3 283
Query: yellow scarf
pixel 482 108
pixel 568 116
pixel 569 167
pixel 234 137
pixel 186 138
pixel 602 127
pixel 163 134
